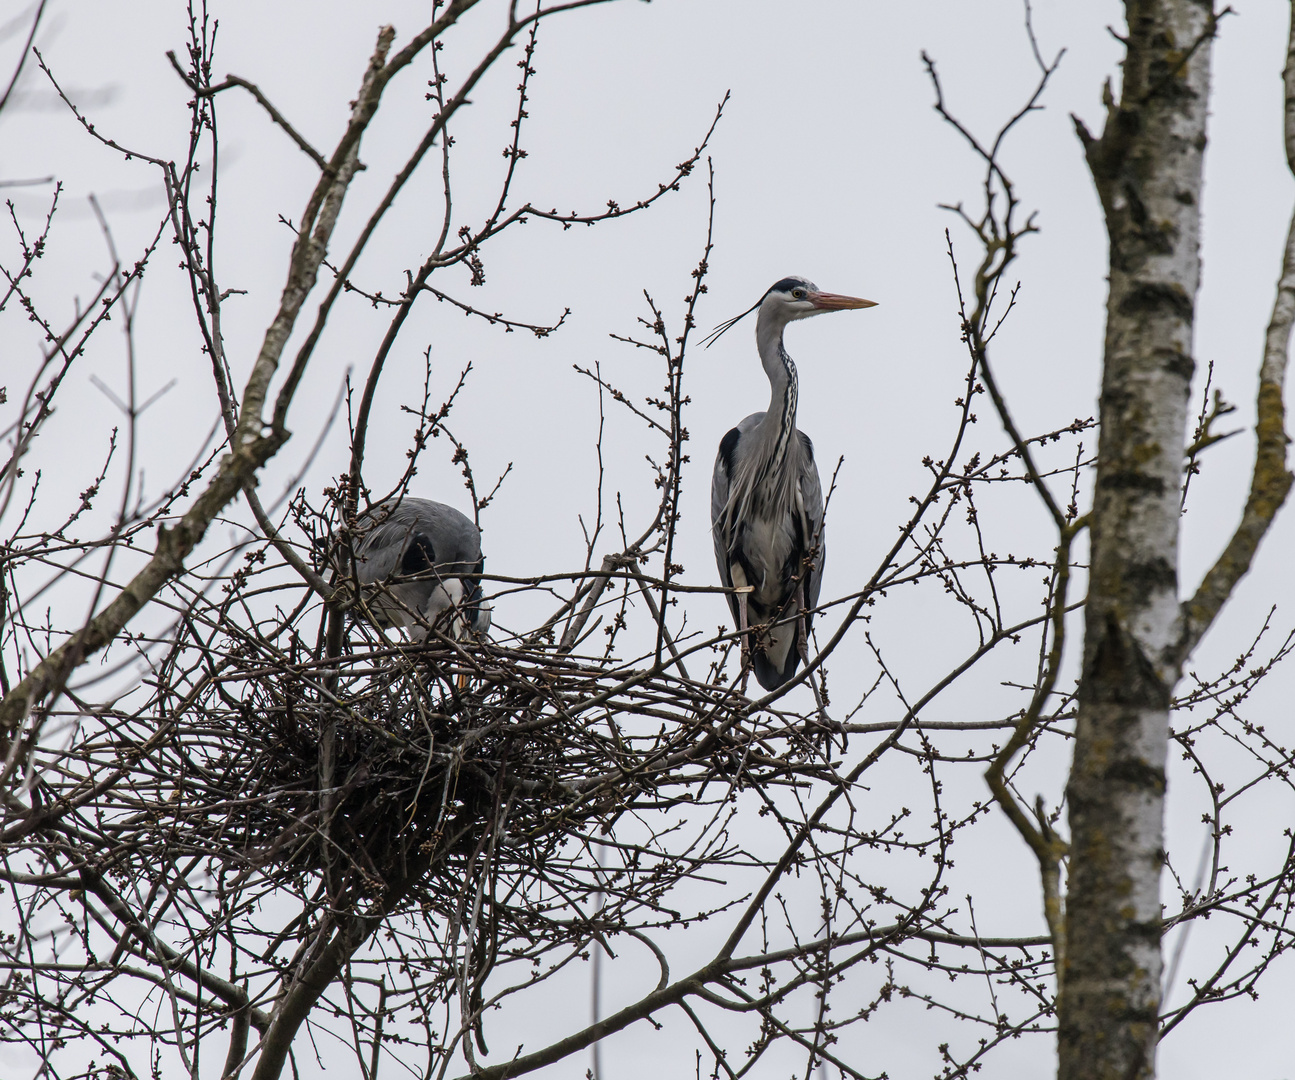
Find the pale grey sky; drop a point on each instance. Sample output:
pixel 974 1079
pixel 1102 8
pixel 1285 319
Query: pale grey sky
pixel 829 162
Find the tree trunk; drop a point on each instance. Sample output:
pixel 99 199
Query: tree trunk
pixel 1147 168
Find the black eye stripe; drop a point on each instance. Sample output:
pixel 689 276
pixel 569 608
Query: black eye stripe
pixel 788 284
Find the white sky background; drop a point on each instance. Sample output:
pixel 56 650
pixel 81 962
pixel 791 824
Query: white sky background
pixel 829 162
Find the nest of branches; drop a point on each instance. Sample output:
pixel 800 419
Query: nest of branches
pixel 392 773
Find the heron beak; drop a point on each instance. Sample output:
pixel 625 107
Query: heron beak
pixel 826 301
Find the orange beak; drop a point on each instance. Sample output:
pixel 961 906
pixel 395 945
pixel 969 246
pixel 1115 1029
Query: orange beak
pixel 826 301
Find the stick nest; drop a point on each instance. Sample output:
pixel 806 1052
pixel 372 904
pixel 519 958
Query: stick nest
pixel 395 771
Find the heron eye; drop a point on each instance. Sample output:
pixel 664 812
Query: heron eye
pixel 799 294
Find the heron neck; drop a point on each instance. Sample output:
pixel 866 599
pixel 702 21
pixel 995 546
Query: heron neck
pixel 780 418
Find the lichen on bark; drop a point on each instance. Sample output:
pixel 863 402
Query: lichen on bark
pixel 1147 167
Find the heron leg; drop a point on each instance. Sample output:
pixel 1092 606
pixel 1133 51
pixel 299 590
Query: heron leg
pixel 459 632
pixel 743 624
pixel 802 646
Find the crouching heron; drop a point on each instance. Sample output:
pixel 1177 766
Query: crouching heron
pixel 766 502
pixel 427 557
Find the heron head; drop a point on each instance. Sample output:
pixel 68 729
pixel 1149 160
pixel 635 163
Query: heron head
pixel 799 298
pixel 787 300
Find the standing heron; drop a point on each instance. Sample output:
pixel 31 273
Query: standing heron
pixel 766 502
pixel 427 557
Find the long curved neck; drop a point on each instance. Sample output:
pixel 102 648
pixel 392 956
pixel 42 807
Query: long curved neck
pixel 780 419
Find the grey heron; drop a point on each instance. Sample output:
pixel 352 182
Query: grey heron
pixel 428 558
pixel 766 502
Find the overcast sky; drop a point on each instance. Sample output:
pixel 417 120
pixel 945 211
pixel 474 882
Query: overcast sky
pixel 829 162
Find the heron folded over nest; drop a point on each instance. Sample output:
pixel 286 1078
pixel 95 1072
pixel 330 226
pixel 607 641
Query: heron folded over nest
pixel 425 559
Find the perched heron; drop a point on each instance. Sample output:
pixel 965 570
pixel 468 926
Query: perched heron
pixel 428 556
pixel 766 502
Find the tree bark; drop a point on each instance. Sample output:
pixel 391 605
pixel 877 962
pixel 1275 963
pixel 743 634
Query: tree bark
pixel 1147 169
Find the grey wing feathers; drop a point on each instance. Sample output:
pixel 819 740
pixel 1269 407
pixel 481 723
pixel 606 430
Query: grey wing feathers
pixel 811 494
pixel 388 531
pixel 719 489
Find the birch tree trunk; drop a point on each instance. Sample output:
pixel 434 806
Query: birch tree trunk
pixel 1147 168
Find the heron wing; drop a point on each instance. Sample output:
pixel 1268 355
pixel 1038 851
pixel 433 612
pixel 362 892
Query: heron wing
pixel 720 486
pixel 811 498
pixel 780 658
pixel 388 530
pixel 725 530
